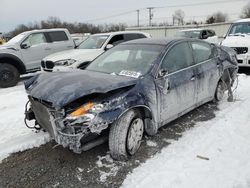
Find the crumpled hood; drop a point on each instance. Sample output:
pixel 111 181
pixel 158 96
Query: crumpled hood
pixel 61 88
pixel 76 54
pixel 237 41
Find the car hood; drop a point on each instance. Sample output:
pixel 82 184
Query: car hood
pixel 237 41
pixel 76 54
pixel 61 88
pixel 7 46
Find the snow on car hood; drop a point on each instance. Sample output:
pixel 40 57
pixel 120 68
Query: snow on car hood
pixel 76 54
pixel 62 88
pixel 237 41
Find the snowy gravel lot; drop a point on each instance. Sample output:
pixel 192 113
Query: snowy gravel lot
pixel 219 133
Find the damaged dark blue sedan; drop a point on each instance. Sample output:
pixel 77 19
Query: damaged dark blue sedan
pixel 135 87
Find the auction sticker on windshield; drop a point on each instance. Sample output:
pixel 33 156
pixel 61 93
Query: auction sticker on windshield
pixel 130 73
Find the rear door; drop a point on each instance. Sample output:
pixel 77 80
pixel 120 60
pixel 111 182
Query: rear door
pixel 36 49
pixel 207 74
pixel 59 41
pixel 177 90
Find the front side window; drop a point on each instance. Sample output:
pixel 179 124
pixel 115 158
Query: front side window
pixel 93 42
pixel 202 51
pixel 179 57
pixel 35 39
pixel 117 39
pixel 132 36
pixel 56 36
pixel 136 59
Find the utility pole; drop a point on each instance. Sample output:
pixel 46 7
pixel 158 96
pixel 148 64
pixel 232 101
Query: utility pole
pixel 138 18
pixel 150 14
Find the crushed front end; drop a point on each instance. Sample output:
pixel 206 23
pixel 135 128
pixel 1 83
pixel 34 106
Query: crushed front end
pixel 78 127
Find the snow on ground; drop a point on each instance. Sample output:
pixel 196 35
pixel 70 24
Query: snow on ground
pixel 14 135
pixel 224 140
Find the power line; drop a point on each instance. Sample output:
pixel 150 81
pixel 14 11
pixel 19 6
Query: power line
pixel 161 7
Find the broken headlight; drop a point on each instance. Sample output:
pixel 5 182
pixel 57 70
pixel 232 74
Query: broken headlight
pixel 89 108
pixel 65 62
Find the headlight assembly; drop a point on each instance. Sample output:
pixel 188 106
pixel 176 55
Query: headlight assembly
pixel 65 62
pixel 87 108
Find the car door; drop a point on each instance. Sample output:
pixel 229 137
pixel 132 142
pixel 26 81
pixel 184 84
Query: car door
pixel 59 41
pixel 207 72
pixel 34 48
pixel 177 87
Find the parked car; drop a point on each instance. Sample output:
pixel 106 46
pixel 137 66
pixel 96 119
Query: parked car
pixel 203 34
pixel 135 87
pixel 23 53
pixel 238 38
pixel 88 50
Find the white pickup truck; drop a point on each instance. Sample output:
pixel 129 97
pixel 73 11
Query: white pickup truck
pixel 238 38
pixel 23 53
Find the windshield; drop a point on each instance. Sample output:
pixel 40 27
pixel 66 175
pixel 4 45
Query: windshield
pixel 16 39
pixel 189 34
pixel 131 60
pixel 93 42
pixel 240 28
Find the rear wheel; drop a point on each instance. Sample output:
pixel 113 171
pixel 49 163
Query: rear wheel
pixel 125 135
pixel 220 91
pixel 9 75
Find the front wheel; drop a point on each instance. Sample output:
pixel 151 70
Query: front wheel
pixel 220 91
pixel 125 135
pixel 9 75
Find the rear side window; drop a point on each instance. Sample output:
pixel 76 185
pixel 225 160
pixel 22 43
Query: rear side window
pixel 179 57
pixel 56 36
pixel 202 51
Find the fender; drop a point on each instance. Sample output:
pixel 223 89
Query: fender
pixel 17 62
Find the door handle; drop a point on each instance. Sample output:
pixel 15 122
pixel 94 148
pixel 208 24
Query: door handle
pixel 69 46
pixel 47 49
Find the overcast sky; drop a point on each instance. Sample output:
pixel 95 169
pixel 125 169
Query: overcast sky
pixel 14 12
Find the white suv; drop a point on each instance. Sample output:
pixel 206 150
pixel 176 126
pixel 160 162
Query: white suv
pixel 88 50
pixel 238 38
pixel 23 53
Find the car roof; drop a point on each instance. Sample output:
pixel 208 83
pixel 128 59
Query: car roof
pixel 122 32
pixel 44 30
pixel 158 41
pixel 193 29
pixel 243 20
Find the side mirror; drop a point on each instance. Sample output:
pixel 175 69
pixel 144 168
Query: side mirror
pixel 204 36
pixel 162 73
pixel 109 46
pixel 24 46
pixel 224 36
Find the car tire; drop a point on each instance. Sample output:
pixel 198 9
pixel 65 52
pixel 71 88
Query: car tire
pixel 9 75
pixel 125 135
pixel 220 91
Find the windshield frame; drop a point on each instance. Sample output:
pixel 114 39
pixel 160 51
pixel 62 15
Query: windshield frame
pixel 151 67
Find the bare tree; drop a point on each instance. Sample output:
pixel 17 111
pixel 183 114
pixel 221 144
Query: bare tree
pixel 54 22
pixel 246 11
pixel 178 17
pixel 217 18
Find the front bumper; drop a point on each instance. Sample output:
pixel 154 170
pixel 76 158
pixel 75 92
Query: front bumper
pixel 71 134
